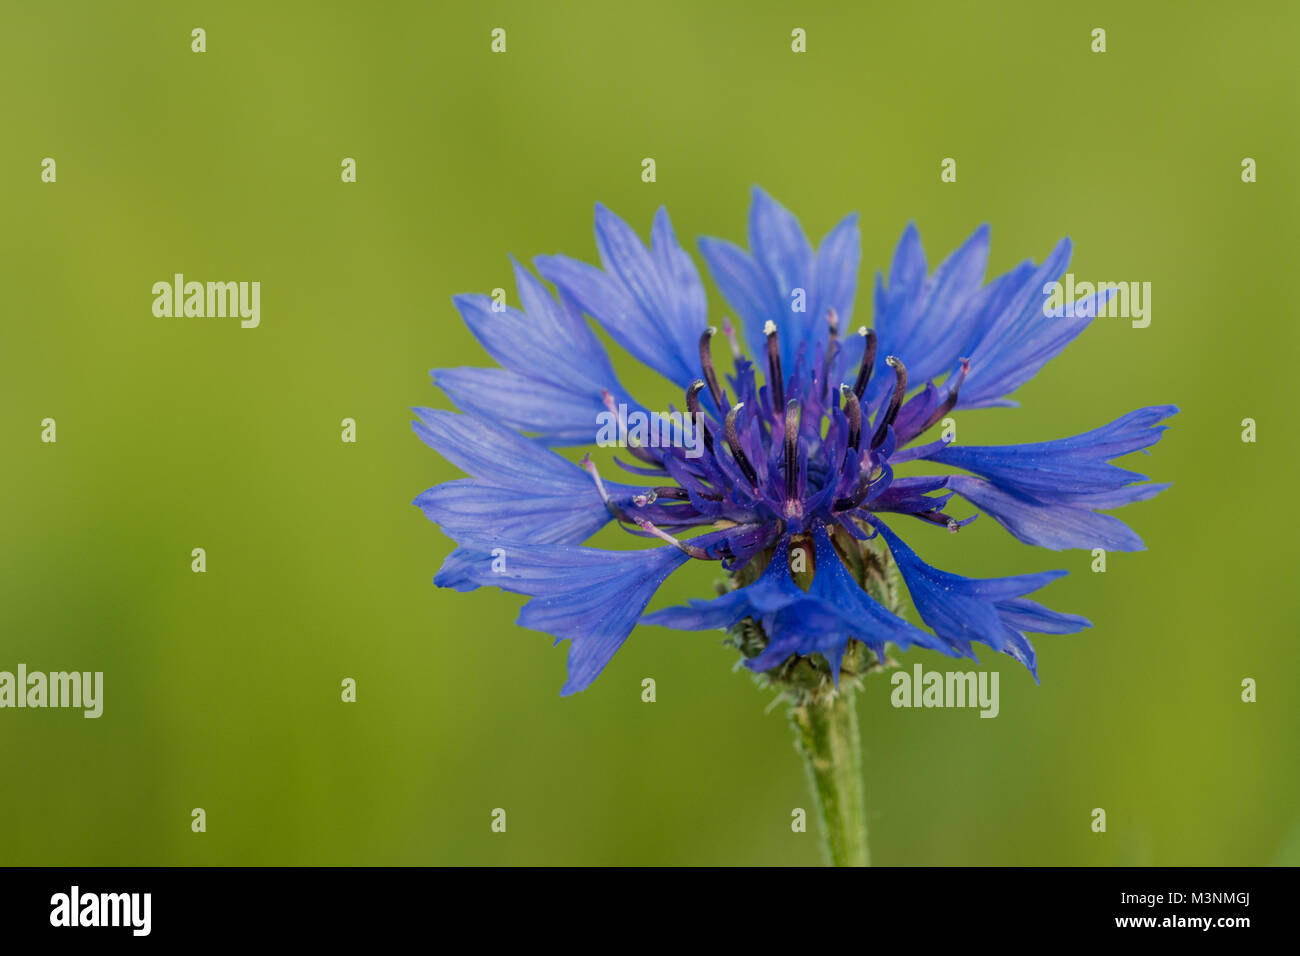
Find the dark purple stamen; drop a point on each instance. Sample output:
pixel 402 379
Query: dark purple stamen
pixel 775 380
pixel 706 363
pixel 895 401
pixel 738 453
pixel 941 519
pixel 671 492
pixel 693 407
pixel 859 494
pixel 868 361
pixel 853 409
pixel 793 417
pixel 949 403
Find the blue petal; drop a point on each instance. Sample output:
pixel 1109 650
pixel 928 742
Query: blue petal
pixel 821 620
pixel 467 509
pixel 1016 338
pixel 964 610
pixel 924 321
pixel 651 302
pixel 781 249
pixel 458 571
pixel 760 287
pixel 1045 493
pixel 1074 465
pixel 795 622
pixel 719 613
pixel 554 373
pixel 1018 647
pixel 520 492
pixel 1047 524
pixel 558 416
pixel 1026 615
pixel 911 495
pixel 907 275
pixel 773 590
pixel 589 597
pixel 548 340
pixel 805 627
pixel 1120 497
pixel 483 449
pixel 1034 474
pixel 870 621
pixel 745 286
pixel 836 273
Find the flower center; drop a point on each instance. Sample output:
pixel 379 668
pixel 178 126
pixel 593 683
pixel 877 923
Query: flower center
pixel 785 455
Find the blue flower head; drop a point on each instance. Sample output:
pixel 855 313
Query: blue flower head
pixel 803 445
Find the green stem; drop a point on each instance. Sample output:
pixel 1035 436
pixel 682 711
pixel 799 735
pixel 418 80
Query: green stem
pixel 826 734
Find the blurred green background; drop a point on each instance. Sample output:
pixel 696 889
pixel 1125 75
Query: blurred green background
pixel 222 689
